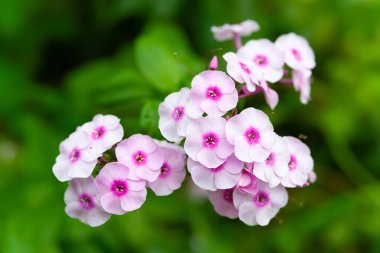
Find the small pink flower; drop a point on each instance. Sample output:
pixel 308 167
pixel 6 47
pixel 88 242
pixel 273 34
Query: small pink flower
pixel 300 165
pixel 224 176
pixel 213 63
pixel 142 156
pixel 172 171
pixel 212 92
pixel 118 192
pixel 261 206
pixel 265 59
pixel 174 115
pixel 82 203
pixel 275 167
pixel 228 31
pixel 251 132
pixel 222 200
pixel 206 141
pixel 104 132
pixel 248 181
pixel 301 82
pixel 76 159
pixel 298 53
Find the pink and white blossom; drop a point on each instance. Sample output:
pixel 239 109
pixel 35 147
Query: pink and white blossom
pixel 224 176
pixel 300 165
pixel 240 70
pixel 252 135
pixel 76 159
pixel 229 31
pixel 222 200
pixel 118 192
pixel 142 156
pixel 261 206
pixel 212 92
pixel 82 203
pixel 174 115
pixel 104 132
pixel 172 170
pixel 275 167
pixel 248 181
pixel 302 83
pixel 206 141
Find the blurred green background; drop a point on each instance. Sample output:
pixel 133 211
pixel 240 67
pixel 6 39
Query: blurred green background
pixel 61 62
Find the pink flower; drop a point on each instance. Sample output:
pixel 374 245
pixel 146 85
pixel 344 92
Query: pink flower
pixel 228 31
pixel 174 115
pixel 301 82
pixel 261 206
pixel 76 159
pixel 212 92
pixel 300 165
pixel 224 176
pixel 104 132
pixel 206 141
pixel 142 156
pixel 172 171
pixel 271 96
pixel 275 167
pixel 118 193
pixel 81 202
pixel 252 134
pixel 222 200
pixel 298 53
pixel 247 182
pixel 266 61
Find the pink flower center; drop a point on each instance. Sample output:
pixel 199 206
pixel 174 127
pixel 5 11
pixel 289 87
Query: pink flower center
pixel 98 133
pixel 165 170
pixel 74 155
pixel 252 135
pixel 261 60
pixel 86 201
pixel 213 93
pixel 293 163
pixel 227 195
pixel 270 161
pixel 119 187
pixel 261 199
pixel 217 169
pixel 296 54
pixel 139 158
pixel 210 140
pixel 245 68
pixel 178 113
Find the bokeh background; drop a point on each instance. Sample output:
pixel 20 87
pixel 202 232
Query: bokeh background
pixel 61 62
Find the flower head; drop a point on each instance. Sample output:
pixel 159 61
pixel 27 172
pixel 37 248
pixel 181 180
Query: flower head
pixel 206 141
pixel 262 205
pixel 300 165
pixel 228 31
pixel 224 176
pixel 240 70
pixel 104 132
pixel 76 159
pixel 222 200
pixel 174 115
pixel 82 203
pixel 212 92
pixel 141 155
pixel 172 171
pixel 252 134
pixel 118 192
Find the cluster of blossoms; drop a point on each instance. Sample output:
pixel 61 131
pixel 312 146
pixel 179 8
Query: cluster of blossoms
pixel 235 156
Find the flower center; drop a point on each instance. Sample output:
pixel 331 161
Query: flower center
pixel 139 158
pixel 296 54
pixel 213 93
pixel 98 133
pixel 271 159
pixel 210 140
pixel 119 187
pixel 165 170
pixel 227 195
pixel 293 163
pixel 86 201
pixel 261 199
pixel 252 135
pixel 74 155
pixel 245 68
pixel 261 60
pixel 178 113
